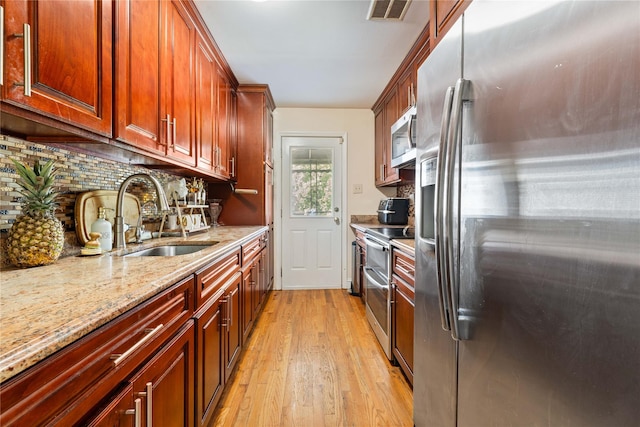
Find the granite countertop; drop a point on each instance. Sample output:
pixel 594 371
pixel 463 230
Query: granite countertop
pixel 44 309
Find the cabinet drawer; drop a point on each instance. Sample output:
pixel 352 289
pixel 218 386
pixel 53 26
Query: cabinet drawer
pixel 403 265
pixel 210 278
pixel 404 287
pixel 251 250
pixel 64 387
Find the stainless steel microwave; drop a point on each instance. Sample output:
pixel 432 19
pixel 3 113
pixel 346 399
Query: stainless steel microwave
pixel 403 140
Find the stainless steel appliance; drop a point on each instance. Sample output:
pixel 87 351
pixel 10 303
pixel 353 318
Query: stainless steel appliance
pixel 377 276
pixel 403 140
pixel 393 211
pixel 527 306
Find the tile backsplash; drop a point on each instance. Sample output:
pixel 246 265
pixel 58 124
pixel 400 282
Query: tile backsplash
pixel 409 191
pixel 77 173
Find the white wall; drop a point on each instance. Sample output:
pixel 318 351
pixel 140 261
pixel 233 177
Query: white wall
pixel 358 127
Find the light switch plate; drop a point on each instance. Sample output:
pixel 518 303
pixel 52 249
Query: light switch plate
pixel 357 188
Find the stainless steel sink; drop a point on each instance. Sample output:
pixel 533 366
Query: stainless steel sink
pixel 170 250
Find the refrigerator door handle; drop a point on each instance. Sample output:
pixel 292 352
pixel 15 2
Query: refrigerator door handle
pixel 443 296
pixel 453 136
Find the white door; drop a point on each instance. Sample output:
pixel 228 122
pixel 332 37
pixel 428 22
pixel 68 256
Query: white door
pixel 311 212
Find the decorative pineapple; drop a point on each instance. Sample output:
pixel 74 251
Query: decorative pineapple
pixel 37 236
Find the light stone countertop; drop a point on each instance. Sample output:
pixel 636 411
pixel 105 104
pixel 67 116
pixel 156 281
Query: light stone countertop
pixel 44 309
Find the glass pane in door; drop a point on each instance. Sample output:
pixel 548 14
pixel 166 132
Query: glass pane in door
pixel 311 190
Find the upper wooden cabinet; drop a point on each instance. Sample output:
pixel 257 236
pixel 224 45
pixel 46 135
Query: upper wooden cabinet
pixel 177 108
pixel 398 96
pixel 155 44
pixel 253 170
pixel 137 52
pixel 443 14
pixel 67 64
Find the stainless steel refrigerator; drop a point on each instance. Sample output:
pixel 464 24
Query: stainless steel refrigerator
pixel 527 309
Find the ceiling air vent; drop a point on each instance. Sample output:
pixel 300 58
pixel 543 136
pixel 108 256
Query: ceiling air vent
pixel 388 9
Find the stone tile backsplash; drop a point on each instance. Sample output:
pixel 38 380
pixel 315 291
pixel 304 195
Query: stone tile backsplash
pixel 77 173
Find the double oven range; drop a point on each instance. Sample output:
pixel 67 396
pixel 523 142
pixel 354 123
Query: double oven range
pixel 377 280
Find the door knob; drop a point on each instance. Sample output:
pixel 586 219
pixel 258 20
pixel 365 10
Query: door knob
pixel 336 219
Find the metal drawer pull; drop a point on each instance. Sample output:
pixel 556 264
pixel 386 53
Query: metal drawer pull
pixel 119 358
pixel 136 412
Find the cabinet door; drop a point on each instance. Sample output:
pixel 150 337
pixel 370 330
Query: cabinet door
pixel 222 121
pixel 233 343
pixel 176 57
pixel 268 195
pixel 68 61
pixel 379 146
pixel 402 321
pixel 406 85
pixel 209 360
pixel 248 283
pixel 121 411
pixel 137 49
pixel 166 383
pixel 390 116
pixel 205 104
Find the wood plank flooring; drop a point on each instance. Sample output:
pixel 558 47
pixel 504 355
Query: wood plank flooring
pixel 312 360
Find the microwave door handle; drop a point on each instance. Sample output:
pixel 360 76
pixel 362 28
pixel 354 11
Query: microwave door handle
pixel 452 145
pixel 409 131
pixel 441 179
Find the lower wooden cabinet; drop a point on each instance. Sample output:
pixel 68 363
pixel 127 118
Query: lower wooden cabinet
pixel 161 393
pixel 70 386
pixel 218 345
pixel 402 310
pixel 162 363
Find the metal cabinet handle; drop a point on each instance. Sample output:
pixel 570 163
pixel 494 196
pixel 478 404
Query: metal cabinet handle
pixel 119 358
pixel 148 393
pixel 173 141
pixel 443 295
pixel 168 120
pixel 233 166
pixel 1 46
pixel 136 412
pixel 26 39
pixel 27 60
pixel 230 320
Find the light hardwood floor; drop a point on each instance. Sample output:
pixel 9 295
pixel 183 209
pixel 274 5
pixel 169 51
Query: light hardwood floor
pixel 312 360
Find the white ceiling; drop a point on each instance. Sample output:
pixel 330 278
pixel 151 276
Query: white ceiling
pixel 313 53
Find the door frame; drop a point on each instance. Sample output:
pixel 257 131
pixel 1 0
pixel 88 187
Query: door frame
pixel 278 208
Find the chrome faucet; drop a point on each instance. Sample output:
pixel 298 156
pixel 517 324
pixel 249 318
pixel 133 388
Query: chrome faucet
pixel 162 203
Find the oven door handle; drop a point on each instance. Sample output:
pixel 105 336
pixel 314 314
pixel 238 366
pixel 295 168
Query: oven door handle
pixel 375 245
pixel 372 279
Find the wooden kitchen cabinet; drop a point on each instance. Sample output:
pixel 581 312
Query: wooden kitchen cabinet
pixel 252 265
pixel 253 162
pixel 385 117
pixel 444 14
pixel 218 331
pixel 161 392
pixel 177 76
pixel 69 54
pixel 155 43
pixel 72 386
pixel 402 309
pixel 214 113
pixel 137 75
